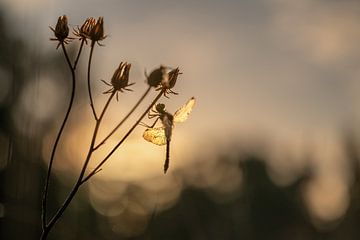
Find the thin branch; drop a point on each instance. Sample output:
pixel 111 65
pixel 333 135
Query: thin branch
pixel 47 182
pixel 123 139
pixel 105 107
pixel 88 80
pixel 78 55
pixel 92 174
pixel 125 118
pixel 74 190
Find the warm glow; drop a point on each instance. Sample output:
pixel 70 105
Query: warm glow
pixel 327 198
pixel 287 78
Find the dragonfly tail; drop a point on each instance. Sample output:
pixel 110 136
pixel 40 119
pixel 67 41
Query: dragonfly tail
pixel 167 160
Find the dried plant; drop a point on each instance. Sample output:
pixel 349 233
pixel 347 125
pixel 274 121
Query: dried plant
pixel 162 79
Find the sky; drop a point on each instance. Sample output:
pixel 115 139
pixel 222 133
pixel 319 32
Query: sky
pixel 260 65
pixel 283 71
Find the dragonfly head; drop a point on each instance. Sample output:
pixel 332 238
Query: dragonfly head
pixel 160 107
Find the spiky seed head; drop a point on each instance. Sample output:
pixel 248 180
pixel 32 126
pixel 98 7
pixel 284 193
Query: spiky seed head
pixel 171 81
pixel 97 31
pixel 84 31
pixel 157 76
pixel 120 79
pixel 61 30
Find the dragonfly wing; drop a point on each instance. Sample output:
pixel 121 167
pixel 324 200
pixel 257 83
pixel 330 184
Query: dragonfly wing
pixel 183 113
pixel 155 135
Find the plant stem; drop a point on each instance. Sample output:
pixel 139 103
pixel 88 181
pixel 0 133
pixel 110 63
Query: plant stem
pixel 47 181
pixel 125 118
pixel 78 55
pixel 78 183
pixel 88 80
pixel 96 169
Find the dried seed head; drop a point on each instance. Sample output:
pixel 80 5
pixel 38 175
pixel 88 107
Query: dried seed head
pixel 171 80
pixel 97 31
pixel 87 26
pixel 157 76
pixel 84 31
pixel 167 83
pixel 120 79
pixel 61 30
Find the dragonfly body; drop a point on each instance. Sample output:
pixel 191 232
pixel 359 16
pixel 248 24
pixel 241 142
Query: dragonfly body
pixel 162 135
pixel 167 121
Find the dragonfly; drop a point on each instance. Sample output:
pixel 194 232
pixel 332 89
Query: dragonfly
pixel 162 135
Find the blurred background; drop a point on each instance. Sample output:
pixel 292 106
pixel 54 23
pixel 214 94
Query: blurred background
pixel 270 151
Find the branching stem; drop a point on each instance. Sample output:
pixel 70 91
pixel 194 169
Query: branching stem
pixel 78 183
pixel 47 181
pixel 79 53
pixel 125 118
pixel 47 225
pixel 93 172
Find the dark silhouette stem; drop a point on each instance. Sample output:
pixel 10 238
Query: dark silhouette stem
pixel 79 53
pixel 125 118
pixel 96 169
pixel 88 80
pixel 47 181
pixel 78 183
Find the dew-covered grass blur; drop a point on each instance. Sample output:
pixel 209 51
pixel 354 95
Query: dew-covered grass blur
pixel 270 151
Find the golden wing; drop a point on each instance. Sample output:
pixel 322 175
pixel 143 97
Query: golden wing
pixel 183 113
pixel 155 135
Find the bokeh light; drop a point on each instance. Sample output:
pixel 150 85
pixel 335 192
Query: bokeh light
pixel 276 84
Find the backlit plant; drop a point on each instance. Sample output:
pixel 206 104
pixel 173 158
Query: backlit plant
pixel 162 79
